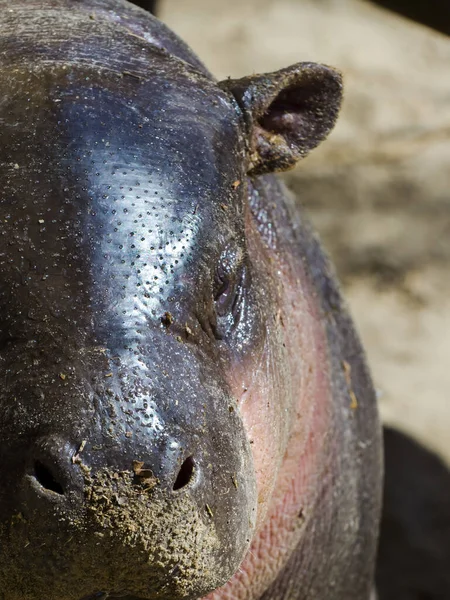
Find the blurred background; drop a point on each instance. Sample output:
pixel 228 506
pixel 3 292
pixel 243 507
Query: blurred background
pixel 378 190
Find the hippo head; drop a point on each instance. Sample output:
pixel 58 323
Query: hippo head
pixel 134 291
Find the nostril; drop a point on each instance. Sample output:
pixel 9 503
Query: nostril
pixel 45 477
pixel 185 474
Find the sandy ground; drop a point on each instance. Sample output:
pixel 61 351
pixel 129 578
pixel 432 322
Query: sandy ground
pixel 393 261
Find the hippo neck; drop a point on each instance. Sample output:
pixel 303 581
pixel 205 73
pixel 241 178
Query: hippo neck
pixel 117 14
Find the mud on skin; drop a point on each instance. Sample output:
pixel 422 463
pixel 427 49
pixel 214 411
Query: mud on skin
pixel 185 410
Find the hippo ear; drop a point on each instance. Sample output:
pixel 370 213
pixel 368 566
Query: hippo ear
pixel 288 113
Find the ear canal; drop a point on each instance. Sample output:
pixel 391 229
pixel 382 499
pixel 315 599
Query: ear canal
pixel 288 113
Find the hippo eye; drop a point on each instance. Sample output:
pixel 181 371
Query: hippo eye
pixel 228 291
pixel 225 293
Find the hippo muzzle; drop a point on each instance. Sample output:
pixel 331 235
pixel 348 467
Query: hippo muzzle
pixel 153 468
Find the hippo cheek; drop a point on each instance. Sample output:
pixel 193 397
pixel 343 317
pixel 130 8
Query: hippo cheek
pixel 293 472
pixel 260 372
pixel 261 392
pixel 288 426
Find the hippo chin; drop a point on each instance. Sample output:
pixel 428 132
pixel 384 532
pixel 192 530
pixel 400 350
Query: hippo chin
pixel 185 408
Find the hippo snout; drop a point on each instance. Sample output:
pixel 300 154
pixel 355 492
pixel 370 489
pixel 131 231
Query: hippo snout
pixel 161 501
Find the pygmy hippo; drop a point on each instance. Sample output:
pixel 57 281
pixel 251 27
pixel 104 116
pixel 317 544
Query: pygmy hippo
pixel 185 408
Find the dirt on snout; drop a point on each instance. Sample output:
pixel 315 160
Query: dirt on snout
pixel 130 537
pixel 172 544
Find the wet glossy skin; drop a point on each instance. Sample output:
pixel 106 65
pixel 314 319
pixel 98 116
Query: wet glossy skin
pixel 178 371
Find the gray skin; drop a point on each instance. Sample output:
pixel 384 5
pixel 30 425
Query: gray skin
pixel 185 408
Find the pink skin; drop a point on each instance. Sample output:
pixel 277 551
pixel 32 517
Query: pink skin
pixel 292 455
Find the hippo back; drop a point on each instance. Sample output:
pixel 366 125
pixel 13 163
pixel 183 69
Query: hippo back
pixel 97 19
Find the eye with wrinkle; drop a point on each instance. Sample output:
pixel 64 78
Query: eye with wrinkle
pixel 228 290
pixel 225 293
